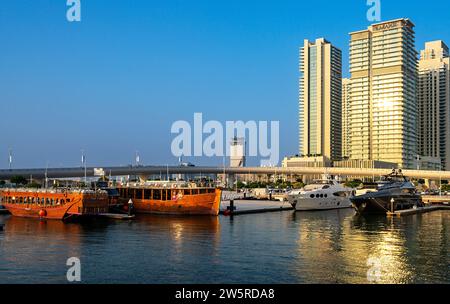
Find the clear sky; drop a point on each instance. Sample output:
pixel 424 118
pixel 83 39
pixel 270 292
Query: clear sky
pixel 116 81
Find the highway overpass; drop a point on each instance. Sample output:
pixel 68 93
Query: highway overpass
pixel 6 174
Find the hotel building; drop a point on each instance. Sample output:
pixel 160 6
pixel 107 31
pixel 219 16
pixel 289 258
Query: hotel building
pixel 383 98
pixel 320 100
pixel 434 105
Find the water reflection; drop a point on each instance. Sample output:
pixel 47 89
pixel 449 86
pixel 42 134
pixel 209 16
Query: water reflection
pixel 283 247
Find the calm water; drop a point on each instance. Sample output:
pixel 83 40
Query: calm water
pixel 282 247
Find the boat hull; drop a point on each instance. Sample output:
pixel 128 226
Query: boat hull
pixel 200 204
pixel 307 204
pixel 53 205
pixel 54 213
pixel 372 204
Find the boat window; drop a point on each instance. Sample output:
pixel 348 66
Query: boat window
pixel 202 191
pixel 340 194
pixel 194 191
pixel 311 196
pixel 187 192
pixel 164 195
pixel 326 195
pixel 156 194
pixel 147 194
pixel 326 187
pixel 317 195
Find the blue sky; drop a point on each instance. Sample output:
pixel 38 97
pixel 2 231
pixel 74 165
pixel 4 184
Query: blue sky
pixel 116 81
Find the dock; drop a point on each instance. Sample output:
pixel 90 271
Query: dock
pixel 419 210
pixel 237 207
pixel 117 216
pixel 436 199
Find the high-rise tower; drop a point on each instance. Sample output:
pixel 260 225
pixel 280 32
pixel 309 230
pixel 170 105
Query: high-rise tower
pixel 383 99
pixel 434 103
pixel 320 99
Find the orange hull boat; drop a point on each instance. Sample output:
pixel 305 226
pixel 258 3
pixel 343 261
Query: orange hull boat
pixel 53 204
pixel 174 201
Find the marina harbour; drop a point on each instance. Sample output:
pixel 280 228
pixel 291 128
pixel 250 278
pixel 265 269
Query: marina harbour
pixel 217 144
pixel 289 247
pixel 257 237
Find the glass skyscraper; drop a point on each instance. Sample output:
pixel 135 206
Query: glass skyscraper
pixel 320 100
pixel 383 98
pixel 434 104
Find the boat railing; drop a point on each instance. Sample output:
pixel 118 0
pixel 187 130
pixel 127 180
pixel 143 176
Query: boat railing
pixel 165 186
pixel 53 191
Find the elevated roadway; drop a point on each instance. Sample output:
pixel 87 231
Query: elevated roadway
pixel 6 174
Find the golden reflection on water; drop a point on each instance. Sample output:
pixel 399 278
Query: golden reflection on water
pixel 183 231
pixel 296 247
pixel 340 247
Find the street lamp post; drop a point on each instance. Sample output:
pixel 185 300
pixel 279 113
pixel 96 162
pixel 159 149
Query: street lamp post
pixel 83 164
pixel 10 159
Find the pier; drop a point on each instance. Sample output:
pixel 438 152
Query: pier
pixel 116 216
pixel 419 210
pixel 237 207
pixel 436 199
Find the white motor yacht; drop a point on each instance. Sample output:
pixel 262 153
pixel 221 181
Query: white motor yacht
pixel 324 194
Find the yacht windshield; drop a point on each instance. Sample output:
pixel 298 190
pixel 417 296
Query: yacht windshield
pixel 318 184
